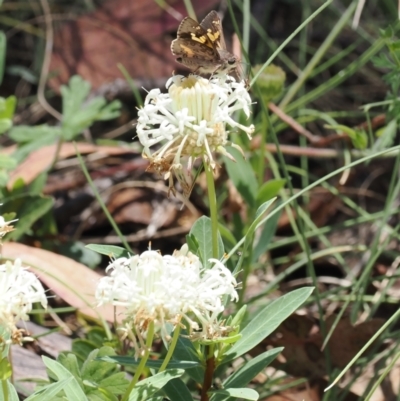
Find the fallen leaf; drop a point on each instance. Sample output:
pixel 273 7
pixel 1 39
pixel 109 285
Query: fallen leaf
pixel 136 34
pixel 70 280
pixel 40 160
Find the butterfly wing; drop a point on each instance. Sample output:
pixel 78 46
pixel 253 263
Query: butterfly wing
pixel 193 46
pixel 212 26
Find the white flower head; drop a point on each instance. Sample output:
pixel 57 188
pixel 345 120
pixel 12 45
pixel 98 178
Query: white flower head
pixel 190 121
pixel 19 289
pixel 160 289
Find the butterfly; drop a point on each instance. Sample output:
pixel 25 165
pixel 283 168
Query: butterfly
pixel 201 47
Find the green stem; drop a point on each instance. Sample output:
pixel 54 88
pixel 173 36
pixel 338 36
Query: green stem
pixel 171 348
pixel 4 386
pixel 212 199
pixel 142 364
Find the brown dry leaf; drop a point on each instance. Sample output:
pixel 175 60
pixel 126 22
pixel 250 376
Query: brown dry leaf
pixel 347 339
pixel 70 280
pixel 301 356
pixel 136 34
pixel 130 205
pixel 41 159
pixel 303 341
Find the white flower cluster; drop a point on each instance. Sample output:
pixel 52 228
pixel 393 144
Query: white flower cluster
pixel 190 120
pixel 165 288
pixel 19 289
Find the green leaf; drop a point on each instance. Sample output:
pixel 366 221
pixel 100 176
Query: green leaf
pixel 146 388
pixel 12 393
pixel 185 351
pixel 385 136
pixel 70 362
pixel 116 383
pixel 110 111
pixel 111 251
pixel 227 235
pixel 243 376
pixel 3 49
pixel 5 125
pixel 33 138
pixel 82 348
pixel 74 95
pixel 358 137
pixel 78 115
pixel 202 231
pixel 176 390
pixel 94 368
pixel 270 190
pixel 4 177
pixel 24 73
pixel 266 236
pixel 254 225
pixel 27 133
pixel 153 364
pixel 30 209
pixel 243 393
pixel 72 389
pixel 8 107
pixel 5 369
pixel 267 320
pixel 7 162
pixel 50 391
pixel 79 252
pixel 242 176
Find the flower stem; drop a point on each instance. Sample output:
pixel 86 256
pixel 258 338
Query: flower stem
pixel 212 200
pixel 171 348
pixel 208 374
pixel 142 364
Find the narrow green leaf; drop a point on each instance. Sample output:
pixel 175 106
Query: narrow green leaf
pixel 72 389
pixel 242 176
pixel 176 390
pixel 227 235
pixel 31 208
pixel 111 251
pixel 3 49
pixel 386 136
pixel 267 320
pixel 243 393
pixel 50 391
pixel 248 239
pixel 146 388
pixel 156 364
pixel 270 189
pixel 185 351
pixel 243 376
pixel 202 231
pixel 5 369
pixel 266 236
pixel 80 252
pixel 12 393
